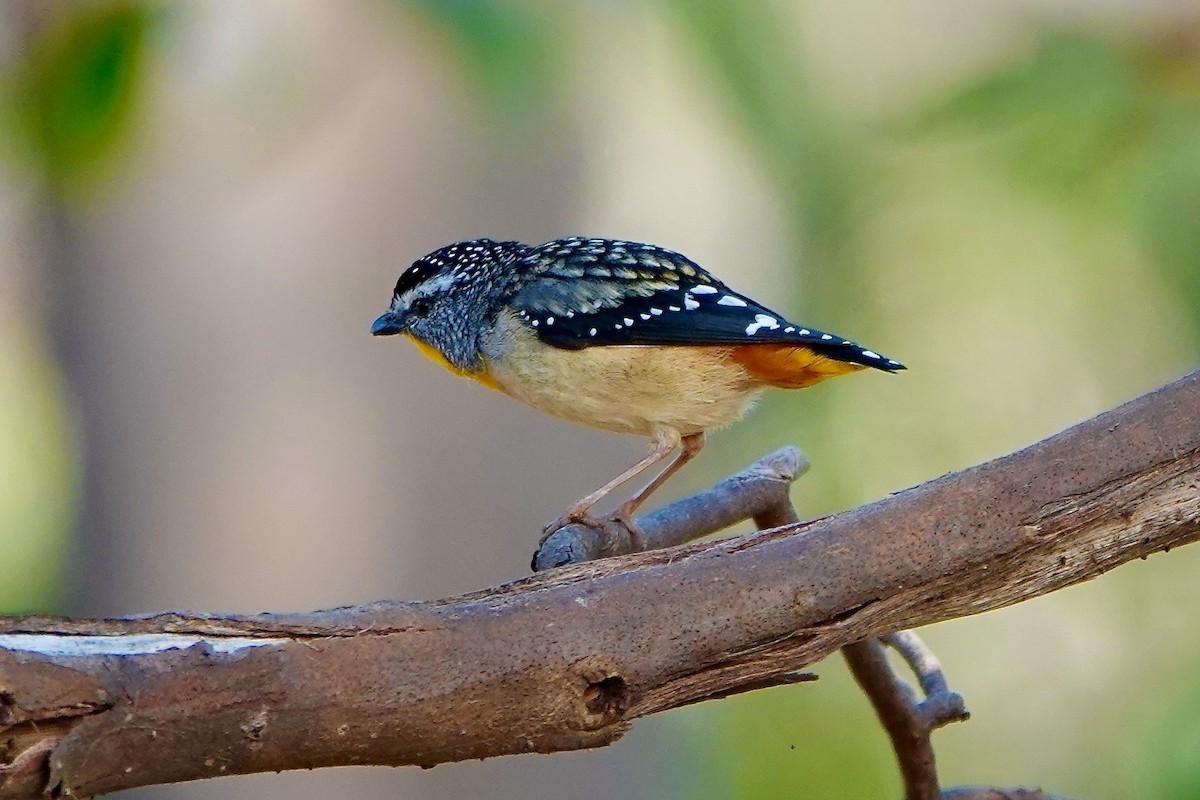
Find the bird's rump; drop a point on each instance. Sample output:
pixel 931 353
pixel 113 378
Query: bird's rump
pixel 790 366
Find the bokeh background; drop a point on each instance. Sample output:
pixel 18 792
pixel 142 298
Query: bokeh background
pixel 204 204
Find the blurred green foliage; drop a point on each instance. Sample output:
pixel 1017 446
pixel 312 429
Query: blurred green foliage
pixel 1106 127
pixel 1061 121
pixel 1167 765
pixel 68 108
pixel 820 742
pixel 508 49
pixel 40 489
pixel 75 92
pixel 819 165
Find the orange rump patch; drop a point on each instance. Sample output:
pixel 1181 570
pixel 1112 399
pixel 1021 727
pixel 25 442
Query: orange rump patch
pixel 789 366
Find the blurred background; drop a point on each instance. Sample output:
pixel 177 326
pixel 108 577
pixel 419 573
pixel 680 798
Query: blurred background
pixel 204 204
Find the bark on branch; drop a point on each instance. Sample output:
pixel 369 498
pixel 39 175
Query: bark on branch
pixel 569 658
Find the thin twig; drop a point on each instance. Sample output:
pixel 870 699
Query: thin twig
pixel 895 705
pixel 991 793
pixel 941 705
pixel 754 493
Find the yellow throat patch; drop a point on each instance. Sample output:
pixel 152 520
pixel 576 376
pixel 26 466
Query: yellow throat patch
pixel 484 376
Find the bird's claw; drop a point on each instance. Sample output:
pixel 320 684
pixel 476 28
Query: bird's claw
pixel 581 518
pixel 637 536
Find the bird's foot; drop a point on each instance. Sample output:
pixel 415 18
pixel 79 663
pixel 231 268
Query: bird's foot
pixel 617 534
pixel 570 518
pixel 637 536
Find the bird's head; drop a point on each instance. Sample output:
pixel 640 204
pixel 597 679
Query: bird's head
pixel 448 299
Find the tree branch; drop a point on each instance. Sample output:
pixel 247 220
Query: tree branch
pixel 908 722
pixel 569 658
pixel 759 492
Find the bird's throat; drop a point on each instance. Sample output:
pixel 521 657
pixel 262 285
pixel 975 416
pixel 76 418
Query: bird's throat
pixel 483 375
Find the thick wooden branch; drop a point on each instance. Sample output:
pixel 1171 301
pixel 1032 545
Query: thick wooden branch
pixel 569 658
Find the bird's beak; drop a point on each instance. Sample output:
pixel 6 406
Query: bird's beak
pixel 389 324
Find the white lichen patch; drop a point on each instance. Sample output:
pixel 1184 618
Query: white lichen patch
pixel 55 644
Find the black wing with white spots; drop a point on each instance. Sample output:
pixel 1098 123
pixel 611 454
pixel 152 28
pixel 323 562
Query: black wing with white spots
pixel 593 292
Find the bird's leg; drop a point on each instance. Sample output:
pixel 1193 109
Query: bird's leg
pixel 693 443
pixel 664 443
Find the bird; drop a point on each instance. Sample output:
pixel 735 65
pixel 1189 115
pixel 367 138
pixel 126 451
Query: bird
pixel 611 334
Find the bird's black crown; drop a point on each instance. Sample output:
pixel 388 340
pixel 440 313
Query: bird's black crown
pixel 464 261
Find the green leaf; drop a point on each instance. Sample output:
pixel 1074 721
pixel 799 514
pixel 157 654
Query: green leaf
pixel 75 91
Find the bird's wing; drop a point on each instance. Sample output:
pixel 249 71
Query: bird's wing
pixel 595 292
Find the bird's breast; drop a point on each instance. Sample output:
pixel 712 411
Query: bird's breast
pixel 628 389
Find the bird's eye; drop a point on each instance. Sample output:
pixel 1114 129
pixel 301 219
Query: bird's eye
pixel 420 306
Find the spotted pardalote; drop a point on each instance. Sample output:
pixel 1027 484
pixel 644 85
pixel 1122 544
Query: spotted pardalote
pixel 616 335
